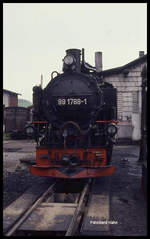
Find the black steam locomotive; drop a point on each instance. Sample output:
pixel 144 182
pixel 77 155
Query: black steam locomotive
pixel 74 122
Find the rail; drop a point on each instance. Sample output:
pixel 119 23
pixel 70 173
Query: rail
pixel 73 225
pixel 27 213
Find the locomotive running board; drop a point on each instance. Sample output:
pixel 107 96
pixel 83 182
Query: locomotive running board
pixel 79 172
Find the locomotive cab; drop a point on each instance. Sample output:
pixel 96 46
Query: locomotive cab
pixel 75 122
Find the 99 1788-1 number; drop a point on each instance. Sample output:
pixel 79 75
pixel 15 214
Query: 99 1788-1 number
pixel 72 101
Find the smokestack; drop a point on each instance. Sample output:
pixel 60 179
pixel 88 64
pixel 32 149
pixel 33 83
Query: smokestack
pixel 98 61
pixel 141 53
pixel 76 53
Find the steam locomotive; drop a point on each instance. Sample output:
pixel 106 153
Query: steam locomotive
pixel 74 122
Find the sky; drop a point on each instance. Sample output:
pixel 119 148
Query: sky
pixel 37 35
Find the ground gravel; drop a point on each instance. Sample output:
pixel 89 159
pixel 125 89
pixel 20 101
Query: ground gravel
pixel 16 176
pixel 16 183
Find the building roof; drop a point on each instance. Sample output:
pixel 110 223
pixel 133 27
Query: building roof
pixel 121 68
pixel 10 92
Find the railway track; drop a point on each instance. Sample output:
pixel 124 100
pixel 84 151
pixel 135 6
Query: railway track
pixel 58 213
pixel 29 211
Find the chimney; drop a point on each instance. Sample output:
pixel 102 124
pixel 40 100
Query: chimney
pixel 141 53
pixel 98 61
pixel 76 53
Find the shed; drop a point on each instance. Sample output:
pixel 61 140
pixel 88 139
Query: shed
pixel 10 98
pixel 127 79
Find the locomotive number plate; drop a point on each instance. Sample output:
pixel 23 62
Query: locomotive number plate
pixel 72 101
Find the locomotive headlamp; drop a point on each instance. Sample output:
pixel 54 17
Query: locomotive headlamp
pixel 29 130
pixel 111 129
pixel 68 60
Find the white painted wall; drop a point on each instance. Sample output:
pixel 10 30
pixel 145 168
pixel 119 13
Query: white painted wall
pixel 129 101
pixel 136 124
